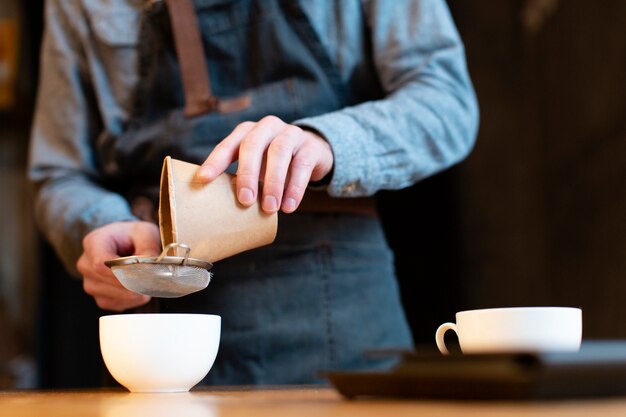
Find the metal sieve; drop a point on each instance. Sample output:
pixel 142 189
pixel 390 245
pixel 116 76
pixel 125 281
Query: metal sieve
pixel 163 276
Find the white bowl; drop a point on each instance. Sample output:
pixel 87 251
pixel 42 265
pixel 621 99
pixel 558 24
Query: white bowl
pixel 159 352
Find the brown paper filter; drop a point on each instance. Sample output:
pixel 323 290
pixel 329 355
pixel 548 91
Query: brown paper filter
pixel 207 216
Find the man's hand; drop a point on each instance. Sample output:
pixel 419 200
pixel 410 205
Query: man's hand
pixel 113 241
pixel 282 156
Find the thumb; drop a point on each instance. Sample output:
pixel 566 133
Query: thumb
pixel 147 239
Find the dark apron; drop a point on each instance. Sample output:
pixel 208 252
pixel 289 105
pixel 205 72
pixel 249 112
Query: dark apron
pixel 325 291
pixel 265 50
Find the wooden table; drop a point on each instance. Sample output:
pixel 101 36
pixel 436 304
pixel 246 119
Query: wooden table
pixel 277 402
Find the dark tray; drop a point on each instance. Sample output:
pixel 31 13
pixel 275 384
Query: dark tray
pixel 597 370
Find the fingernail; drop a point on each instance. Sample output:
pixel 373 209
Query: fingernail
pixel 289 205
pixel 246 196
pixel 205 173
pixel 270 203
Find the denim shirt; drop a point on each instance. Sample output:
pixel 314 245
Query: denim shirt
pixel 426 122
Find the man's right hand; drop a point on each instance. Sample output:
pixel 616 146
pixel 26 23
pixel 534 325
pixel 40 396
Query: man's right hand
pixel 113 241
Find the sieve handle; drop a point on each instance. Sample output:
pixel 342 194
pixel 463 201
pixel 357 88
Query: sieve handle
pixel 174 245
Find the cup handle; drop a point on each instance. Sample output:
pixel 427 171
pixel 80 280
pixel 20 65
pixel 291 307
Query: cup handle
pixel 441 331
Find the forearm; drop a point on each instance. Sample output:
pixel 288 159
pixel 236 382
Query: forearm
pixel 380 145
pixel 67 209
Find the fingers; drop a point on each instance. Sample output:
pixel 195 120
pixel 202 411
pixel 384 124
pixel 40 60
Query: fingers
pixel 107 291
pixel 109 294
pixel 278 162
pixel 311 158
pixel 224 154
pixel 289 167
pixel 108 242
pixel 283 157
pixel 251 155
pixel 247 143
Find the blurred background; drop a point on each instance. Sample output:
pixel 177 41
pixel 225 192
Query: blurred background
pixel 535 216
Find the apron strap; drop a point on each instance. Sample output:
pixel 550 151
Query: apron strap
pixel 193 66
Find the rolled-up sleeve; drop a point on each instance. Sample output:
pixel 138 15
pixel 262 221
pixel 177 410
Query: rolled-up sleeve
pixel 428 119
pixel 68 200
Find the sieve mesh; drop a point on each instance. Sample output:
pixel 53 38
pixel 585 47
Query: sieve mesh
pixel 162 280
pixel 164 276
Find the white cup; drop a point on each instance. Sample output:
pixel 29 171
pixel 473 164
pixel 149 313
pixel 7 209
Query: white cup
pixel 159 352
pixel 515 329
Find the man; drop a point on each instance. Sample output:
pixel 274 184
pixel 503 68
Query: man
pixel 315 106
